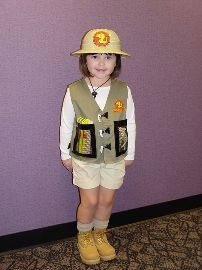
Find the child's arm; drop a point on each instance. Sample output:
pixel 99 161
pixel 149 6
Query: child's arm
pixel 66 126
pixel 131 128
pixel 128 162
pixel 67 164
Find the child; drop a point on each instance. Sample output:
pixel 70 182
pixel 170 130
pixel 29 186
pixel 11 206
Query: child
pixel 97 138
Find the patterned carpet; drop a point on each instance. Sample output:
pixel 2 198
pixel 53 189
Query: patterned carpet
pixel 169 243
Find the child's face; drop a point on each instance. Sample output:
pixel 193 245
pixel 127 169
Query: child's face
pixel 101 66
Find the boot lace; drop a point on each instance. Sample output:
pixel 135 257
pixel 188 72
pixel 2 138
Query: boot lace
pixel 86 239
pixel 101 236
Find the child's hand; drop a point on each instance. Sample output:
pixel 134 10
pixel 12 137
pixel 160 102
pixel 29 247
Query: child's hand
pixel 128 162
pixel 67 164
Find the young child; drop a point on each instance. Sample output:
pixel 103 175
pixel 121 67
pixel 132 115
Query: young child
pixel 97 138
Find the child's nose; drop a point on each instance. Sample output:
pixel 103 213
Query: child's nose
pixel 101 61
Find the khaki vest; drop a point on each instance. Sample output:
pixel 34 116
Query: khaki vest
pixel 99 135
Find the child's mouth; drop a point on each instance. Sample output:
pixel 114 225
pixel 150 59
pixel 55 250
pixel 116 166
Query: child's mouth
pixel 100 70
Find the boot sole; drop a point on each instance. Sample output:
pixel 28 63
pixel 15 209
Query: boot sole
pixel 88 262
pixel 108 258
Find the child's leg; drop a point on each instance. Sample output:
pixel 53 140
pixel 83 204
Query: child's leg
pixel 105 203
pixel 101 220
pixel 85 213
pixel 88 204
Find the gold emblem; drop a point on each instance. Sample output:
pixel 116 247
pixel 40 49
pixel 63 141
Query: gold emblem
pixel 118 106
pixel 101 39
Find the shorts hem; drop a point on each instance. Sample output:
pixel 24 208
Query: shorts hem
pixel 112 188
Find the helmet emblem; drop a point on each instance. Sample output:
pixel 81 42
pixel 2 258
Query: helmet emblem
pixel 101 39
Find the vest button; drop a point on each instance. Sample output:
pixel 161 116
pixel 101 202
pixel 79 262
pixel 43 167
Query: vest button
pixel 108 146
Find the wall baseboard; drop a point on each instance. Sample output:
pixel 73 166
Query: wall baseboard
pixel 61 231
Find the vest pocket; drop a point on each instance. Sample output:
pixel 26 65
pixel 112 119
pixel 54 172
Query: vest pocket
pixel 121 137
pixel 84 141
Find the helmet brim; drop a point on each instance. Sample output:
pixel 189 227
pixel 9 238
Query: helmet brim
pixel 79 52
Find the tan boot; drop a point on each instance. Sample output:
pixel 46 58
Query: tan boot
pixel 87 249
pixel 105 250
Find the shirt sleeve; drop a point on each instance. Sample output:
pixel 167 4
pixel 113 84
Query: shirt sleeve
pixel 131 126
pixel 66 125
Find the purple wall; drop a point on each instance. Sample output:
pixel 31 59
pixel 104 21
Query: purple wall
pixel 164 73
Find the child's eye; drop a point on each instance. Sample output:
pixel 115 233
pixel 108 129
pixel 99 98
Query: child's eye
pixel 94 56
pixel 109 57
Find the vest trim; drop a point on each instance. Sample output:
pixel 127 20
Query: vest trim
pixel 85 141
pixel 121 137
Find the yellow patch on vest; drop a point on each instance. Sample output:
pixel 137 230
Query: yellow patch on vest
pixel 82 120
pixel 119 106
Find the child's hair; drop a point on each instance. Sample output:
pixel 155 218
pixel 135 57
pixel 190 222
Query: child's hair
pixel 84 69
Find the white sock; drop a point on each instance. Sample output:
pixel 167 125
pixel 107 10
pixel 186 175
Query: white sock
pixel 100 224
pixel 82 227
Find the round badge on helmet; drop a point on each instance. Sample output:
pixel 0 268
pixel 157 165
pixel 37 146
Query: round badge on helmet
pixel 101 39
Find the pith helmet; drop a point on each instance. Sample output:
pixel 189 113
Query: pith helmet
pixel 100 41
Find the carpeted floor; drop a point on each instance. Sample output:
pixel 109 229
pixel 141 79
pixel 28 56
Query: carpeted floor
pixel 169 243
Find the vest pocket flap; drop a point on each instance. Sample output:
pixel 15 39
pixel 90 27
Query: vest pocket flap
pixel 121 137
pixel 85 126
pixel 85 141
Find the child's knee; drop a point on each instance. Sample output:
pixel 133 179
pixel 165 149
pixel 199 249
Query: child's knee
pixel 90 203
pixel 105 202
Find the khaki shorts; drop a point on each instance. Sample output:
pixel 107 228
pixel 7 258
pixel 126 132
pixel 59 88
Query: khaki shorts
pixel 90 175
